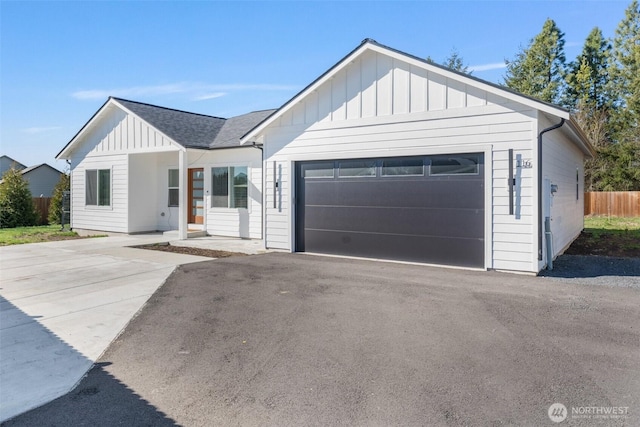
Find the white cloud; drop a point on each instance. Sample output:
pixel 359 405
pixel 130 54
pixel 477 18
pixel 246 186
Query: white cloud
pixel 213 95
pixel 487 67
pixel 198 91
pixel 40 129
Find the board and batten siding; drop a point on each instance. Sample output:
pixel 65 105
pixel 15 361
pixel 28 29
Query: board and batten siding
pixel 378 106
pixel 108 144
pixel 121 132
pixel 563 165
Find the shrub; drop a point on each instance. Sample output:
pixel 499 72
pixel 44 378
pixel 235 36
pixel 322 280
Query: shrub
pixel 55 209
pixel 16 204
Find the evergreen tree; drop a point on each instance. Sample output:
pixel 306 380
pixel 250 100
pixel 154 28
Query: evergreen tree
pixel 588 77
pixel 55 209
pixel 626 73
pixel 539 69
pixel 454 61
pixel 16 204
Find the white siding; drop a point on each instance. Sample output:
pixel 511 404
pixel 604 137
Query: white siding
pixel 561 159
pixel 143 193
pixel 119 132
pixel 277 204
pixel 105 218
pixel 245 223
pixel 407 110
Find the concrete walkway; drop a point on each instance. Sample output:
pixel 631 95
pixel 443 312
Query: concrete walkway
pixel 63 303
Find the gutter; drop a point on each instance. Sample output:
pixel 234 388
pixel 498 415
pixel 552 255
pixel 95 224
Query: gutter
pixel 543 131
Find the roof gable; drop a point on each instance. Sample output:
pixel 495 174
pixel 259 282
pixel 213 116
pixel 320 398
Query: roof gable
pixel 373 69
pixel 190 130
pixel 180 128
pixel 43 165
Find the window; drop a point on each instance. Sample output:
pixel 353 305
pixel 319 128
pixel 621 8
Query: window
pixel 174 187
pixel 402 167
pixel 318 170
pixel 455 164
pixel 577 184
pixel 356 168
pixel 229 187
pixel 98 187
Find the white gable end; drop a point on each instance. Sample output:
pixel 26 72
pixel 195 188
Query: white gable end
pixel 117 131
pixel 377 85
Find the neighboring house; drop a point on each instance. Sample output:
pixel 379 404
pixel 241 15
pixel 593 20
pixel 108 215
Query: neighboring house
pixel 7 163
pixel 41 178
pixel 383 156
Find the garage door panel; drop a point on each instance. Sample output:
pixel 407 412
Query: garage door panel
pixel 424 218
pixel 404 193
pixel 436 250
pixel 399 220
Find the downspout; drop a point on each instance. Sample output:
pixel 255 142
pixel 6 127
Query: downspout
pixel 70 197
pixel 543 131
pixel 254 145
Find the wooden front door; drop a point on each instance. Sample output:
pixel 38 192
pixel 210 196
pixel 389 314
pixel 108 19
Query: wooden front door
pixel 196 196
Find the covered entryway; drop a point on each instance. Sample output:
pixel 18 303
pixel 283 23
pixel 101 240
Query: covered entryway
pixel 424 209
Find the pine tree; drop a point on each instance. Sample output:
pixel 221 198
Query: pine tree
pixel 539 69
pixel 16 204
pixel 626 73
pixel 455 62
pixel 588 77
pixel 55 209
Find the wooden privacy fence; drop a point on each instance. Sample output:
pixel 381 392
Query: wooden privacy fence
pixel 42 208
pixel 612 203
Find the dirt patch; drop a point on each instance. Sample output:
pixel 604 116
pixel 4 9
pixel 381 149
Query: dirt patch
pixel 614 244
pixel 211 253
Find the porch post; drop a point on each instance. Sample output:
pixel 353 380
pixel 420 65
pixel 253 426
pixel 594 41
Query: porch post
pixel 183 193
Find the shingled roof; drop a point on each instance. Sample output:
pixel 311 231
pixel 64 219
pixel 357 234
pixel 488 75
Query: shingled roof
pixel 192 130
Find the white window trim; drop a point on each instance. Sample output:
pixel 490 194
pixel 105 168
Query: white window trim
pixel 96 207
pixel 209 183
pixel 169 188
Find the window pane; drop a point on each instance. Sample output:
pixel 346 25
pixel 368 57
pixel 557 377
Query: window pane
pixel 355 168
pixel 174 178
pixel 240 175
pixel 220 187
pixel 318 170
pixel 239 199
pixel 174 197
pixel 91 187
pixel 239 194
pixel 394 167
pixel 104 187
pixel 454 164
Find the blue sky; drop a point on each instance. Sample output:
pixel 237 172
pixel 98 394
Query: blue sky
pixel 59 61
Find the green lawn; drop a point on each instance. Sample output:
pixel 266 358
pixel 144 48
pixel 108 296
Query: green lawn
pixel 600 224
pixel 45 233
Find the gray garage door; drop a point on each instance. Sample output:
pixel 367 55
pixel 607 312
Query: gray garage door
pixel 424 209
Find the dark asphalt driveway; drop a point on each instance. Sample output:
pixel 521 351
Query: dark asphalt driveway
pixel 284 339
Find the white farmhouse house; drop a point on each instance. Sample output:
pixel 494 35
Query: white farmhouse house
pixel 384 156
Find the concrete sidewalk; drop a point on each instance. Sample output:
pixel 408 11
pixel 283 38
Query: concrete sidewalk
pixel 63 303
